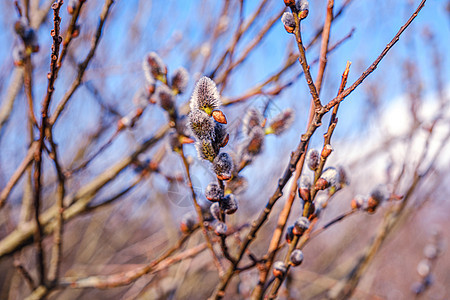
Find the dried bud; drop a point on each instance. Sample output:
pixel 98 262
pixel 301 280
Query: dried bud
pixel 296 257
pixel 288 22
pixel 202 126
pixel 358 202
pixel 279 269
pixel 255 141
pixel 165 97
pixel 205 96
pixel 229 204
pixel 329 178
pixel 223 166
pixel 312 159
pixel 326 151
pixel 154 68
pixel 302 8
pixel 213 192
pixel 253 118
pixel 220 228
pixel 289 234
pixel 378 195
pixel 219 116
pixel 301 225
pixel 215 210
pixel 281 122
pixel 180 80
pixel 206 150
pixel 304 186
pixel 221 135
pixel 188 222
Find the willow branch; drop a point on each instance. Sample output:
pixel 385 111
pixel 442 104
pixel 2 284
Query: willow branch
pixel 18 173
pixel 199 211
pixel 83 65
pixel 75 203
pixel 374 65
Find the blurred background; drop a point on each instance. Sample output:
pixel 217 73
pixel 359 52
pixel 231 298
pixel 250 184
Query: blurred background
pixel 390 129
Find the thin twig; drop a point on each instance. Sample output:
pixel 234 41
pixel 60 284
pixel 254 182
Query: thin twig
pixel 18 173
pixel 258 89
pixel 200 216
pixel 374 65
pixel 75 203
pixel 306 209
pixel 83 65
pixel 42 132
pixel 242 28
pixel 304 63
pixel 70 32
pixel 25 274
pixel 255 42
pixel 53 273
pixel 324 45
pixel 332 222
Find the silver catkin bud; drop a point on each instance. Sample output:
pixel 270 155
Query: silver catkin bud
pixel 377 196
pixel 329 178
pixel 279 269
pixel 223 166
pixel 202 126
pixel 312 159
pixel 281 122
pixel 154 68
pixel 253 118
pixel 215 210
pixel 302 5
pixel 18 54
pixel 213 192
pixel 180 80
pixel 301 225
pixel 188 222
pixel 165 97
pixel 220 228
pixel 296 257
pixel 302 8
pixel 229 204
pixel 205 96
pixel 206 150
pixel 288 21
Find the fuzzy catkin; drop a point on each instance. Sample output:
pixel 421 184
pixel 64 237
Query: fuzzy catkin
pixel 202 126
pixel 205 96
pixel 180 80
